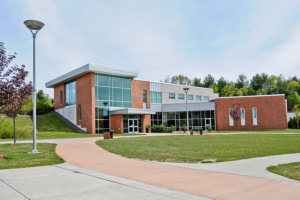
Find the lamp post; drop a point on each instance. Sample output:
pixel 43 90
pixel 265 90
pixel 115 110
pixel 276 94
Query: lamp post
pixel 34 26
pixel 187 113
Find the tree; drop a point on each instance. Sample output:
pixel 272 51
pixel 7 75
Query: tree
pixel 296 110
pixel 258 80
pixel 221 83
pixel 294 99
pixel 167 79
pixel 293 86
pixel 14 91
pixel 242 81
pixel 197 82
pixel 181 80
pixel 228 90
pixel 208 81
pixel 235 112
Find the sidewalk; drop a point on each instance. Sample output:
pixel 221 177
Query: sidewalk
pixel 86 154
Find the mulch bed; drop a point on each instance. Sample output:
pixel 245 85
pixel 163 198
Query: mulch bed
pixel 2 156
pixel 17 144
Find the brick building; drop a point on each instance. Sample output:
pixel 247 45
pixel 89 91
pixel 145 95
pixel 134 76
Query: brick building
pixel 99 98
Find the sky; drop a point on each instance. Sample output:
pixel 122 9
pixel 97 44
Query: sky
pixel 156 37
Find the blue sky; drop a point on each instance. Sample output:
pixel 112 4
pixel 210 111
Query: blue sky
pixel 157 38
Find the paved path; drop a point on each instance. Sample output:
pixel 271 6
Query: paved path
pixel 256 167
pixel 86 154
pixel 68 182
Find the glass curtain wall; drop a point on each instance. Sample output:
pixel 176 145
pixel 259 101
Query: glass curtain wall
pixel 197 119
pixel 70 93
pixel 110 91
pixel 155 97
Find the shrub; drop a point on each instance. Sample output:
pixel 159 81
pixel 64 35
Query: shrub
pixel 208 128
pixel 184 128
pixel 6 134
pixel 172 128
pixel 158 128
pixel 293 123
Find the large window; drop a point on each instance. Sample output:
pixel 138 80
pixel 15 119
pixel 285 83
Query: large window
pixel 171 95
pixel 145 96
pixel 197 119
pixel 61 97
pixel 206 98
pixel 70 94
pixel 198 98
pixel 181 96
pixel 115 91
pixel 156 97
pixel 190 97
pixel 110 91
pixel 254 115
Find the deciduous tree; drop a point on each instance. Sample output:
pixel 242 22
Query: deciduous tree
pixel 296 110
pixel 14 91
pixel 236 112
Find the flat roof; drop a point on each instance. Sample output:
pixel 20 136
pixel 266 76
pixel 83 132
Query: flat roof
pixel 249 96
pixel 91 68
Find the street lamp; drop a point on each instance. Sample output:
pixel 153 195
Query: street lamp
pixel 187 114
pixel 34 25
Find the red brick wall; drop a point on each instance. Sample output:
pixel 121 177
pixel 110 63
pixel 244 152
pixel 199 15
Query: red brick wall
pixel 57 89
pixel 137 88
pixel 116 123
pixel 85 96
pixel 271 113
pixel 146 119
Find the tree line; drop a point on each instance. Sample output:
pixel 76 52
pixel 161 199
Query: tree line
pixel 259 84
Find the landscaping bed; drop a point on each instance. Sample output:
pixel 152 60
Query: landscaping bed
pixel 203 148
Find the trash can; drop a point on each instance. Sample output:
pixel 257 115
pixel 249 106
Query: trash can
pixel 201 131
pixel 111 134
pixel 191 132
pixel 106 135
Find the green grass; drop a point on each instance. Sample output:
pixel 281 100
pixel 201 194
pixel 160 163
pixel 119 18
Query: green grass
pixel 49 126
pixel 18 156
pixel 197 148
pixel 260 131
pixel 291 170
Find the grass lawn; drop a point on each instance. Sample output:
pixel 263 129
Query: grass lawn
pixel 291 170
pixel 18 156
pixel 260 131
pixel 49 126
pixel 197 148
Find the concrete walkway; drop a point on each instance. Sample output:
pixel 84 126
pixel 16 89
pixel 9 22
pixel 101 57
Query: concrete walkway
pixel 214 185
pixel 68 182
pixel 256 167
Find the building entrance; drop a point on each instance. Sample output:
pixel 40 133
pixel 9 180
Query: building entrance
pixel 133 126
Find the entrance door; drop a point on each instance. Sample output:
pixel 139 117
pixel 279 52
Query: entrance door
pixel 207 123
pixel 133 126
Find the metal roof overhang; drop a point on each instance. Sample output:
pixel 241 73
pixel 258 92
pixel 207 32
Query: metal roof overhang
pixel 91 68
pixel 135 111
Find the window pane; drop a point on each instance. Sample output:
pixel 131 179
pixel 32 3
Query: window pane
pixel 103 113
pixel 117 104
pixel 170 123
pixel 171 95
pixel 207 114
pixel 206 98
pixel 198 98
pixel 196 114
pixel 103 79
pixel 103 123
pixel 117 94
pixel 254 113
pixel 127 104
pixel 243 113
pixel 171 115
pixel 159 101
pixel 159 116
pixel 196 122
pixel 154 100
pixel 212 114
pixel 144 96
pixel 181 96
pixel 126 95
pixel 183 123
pixel 117 81
pixel 154 94
pixel 190 97
pixel 103 93
pixel 102 103
pixel 159 95
pixel 126 82
pixel 182 115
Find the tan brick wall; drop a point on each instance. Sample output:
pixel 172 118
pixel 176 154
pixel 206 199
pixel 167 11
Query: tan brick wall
pixel 137 88
pixel 271 113
pixel 85 96
pixel 57 89
pixel 146 119
pixel 116 123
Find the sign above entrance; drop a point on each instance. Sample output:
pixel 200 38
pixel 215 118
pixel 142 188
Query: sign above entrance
pixel 136 98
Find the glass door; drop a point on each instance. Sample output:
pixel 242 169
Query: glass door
pixel 207 123
pixel 133 126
